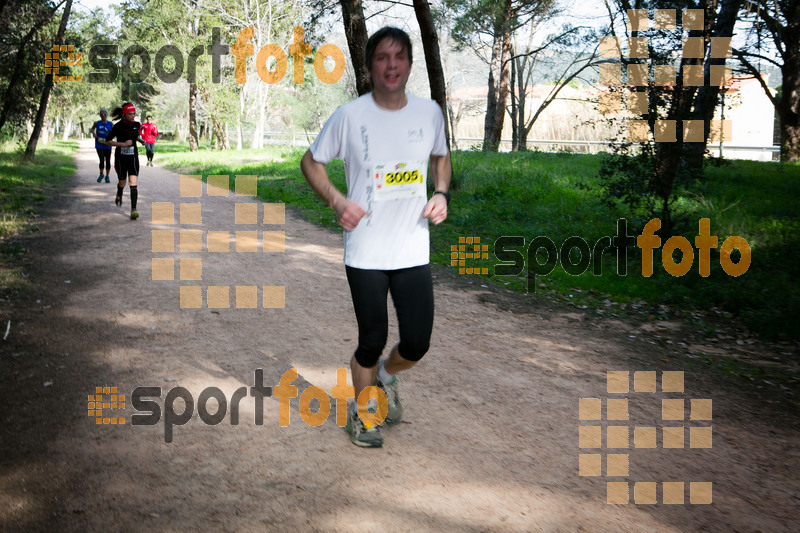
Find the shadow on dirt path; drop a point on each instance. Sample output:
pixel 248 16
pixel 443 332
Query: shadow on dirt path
pixel 491 438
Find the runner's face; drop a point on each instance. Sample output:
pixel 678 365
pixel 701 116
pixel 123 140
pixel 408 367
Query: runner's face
pixel 390 68
pixel 103 116
pixel 128 117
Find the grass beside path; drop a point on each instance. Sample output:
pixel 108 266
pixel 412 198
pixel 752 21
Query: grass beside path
pixel 558 196
pixel 23 188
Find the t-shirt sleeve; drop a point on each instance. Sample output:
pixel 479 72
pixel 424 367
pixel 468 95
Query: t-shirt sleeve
pixel 440 141
pixel 114 133
pixel 329 143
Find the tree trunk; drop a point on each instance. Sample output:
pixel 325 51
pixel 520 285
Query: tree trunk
pixel 491 96
pixel 670 155
pixel 708 95
pixel 355 29
pixel 30 150
pixel 503 87
pixel 45 135
pixel 9 97
pixel 219 134
pixel 514 109
pixel 193 140
pixel 261 104
pixel 239 125
pixel 522 132
pixel 789 110
pixel 67 129
pixel 789 105
pixel 19 63
pixel 433 59
pixel 501 54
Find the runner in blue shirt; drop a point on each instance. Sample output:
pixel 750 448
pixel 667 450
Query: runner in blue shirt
pixel 100 131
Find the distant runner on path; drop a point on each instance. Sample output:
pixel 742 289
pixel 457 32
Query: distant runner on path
pixel 100 131
pixel 149 133
pixel 126 156
pixel 386 139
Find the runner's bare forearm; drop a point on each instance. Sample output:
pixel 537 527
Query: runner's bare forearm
pixel 317 177
pixel 441 171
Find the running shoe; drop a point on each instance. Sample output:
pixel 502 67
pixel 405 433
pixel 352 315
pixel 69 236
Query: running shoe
pixel 118 200
pixel 360 434
pixel 134 214
pixel 108 180
pixel 99 178
pixel 395 413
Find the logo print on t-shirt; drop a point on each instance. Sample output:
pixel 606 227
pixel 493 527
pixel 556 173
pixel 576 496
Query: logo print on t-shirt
pixel 415 136
pixel 365 142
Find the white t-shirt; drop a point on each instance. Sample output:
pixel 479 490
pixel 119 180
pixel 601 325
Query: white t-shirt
pixel 385 156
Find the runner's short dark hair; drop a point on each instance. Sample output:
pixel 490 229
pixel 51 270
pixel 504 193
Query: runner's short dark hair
pixel 387 32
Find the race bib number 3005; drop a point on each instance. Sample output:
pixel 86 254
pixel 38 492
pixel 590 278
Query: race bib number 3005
pixel 399 180
pixel 127 150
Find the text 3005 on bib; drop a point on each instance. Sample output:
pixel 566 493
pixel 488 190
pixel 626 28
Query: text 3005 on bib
pixel 399 180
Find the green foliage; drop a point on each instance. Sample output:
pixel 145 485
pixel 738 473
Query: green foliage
pixel 627 182
pixel 81 101
pixel 23 185
pixel 26 31
pixel 560 195
pixel 310 104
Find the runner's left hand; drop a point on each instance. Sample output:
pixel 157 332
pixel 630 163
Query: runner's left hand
pixel 436 209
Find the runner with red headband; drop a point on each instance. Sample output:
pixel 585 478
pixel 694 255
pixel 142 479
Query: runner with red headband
pixel 126 155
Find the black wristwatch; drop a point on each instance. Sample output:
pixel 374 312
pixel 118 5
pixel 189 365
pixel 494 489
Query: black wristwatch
pixel 446 195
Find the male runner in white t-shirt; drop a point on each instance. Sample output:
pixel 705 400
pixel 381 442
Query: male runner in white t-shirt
pixel 386 139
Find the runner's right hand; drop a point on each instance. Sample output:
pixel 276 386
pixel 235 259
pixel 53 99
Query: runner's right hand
pixel 349 213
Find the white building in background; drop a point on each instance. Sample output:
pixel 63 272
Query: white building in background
pixel 752 117
pixel 574 117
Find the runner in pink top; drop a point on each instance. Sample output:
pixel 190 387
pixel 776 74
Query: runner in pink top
pixel 149 132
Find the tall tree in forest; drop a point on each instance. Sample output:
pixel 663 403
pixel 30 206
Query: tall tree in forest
pixel 774 37
pixel 20 46
pixel 707 96
pixel 184 24
pixel 75 102
pixel 30 150
pixel 258 24
pixel 564 56
pixel 492 23
pixel 651 177
pixel 433 60
pixel 355 30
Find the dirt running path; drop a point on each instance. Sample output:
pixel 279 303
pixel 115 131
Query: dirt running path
pixel 491 438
